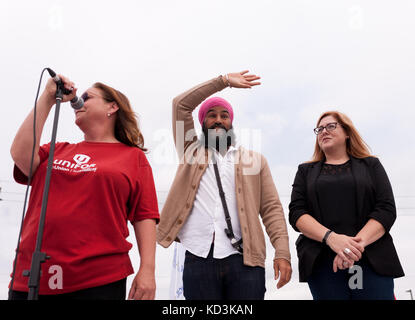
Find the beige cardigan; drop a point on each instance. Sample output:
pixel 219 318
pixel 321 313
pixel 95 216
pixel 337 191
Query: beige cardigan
pixel 256 194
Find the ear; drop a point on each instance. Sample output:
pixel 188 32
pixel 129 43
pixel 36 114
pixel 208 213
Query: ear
pixel 113 107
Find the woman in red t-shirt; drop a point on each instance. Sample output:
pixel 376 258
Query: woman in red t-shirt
pixel 96 186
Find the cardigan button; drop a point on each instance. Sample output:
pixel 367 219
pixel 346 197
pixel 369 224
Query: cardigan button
pixel 201 167
pixel 168 239
pixel 180 221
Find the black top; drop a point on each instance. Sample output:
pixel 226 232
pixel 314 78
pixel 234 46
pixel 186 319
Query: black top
pixel 336 194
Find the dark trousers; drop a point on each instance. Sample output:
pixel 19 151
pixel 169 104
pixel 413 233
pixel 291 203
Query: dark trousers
pixel 221 279
pixel 358 283
pixel 112 291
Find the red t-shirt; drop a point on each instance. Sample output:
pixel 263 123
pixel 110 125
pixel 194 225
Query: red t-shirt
pixel 94 189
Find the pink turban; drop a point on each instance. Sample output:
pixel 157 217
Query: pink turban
pixel 214 102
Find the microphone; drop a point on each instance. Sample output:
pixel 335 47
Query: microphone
pixel 76 103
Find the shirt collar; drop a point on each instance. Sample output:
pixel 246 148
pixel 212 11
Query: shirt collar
pixel 231 149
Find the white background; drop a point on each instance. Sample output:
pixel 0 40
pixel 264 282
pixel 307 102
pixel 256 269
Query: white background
pixel 313 56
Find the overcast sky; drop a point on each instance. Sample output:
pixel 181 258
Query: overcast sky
pixel 353 56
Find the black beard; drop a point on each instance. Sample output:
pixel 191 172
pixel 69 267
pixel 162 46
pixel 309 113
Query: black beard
pixel 220 142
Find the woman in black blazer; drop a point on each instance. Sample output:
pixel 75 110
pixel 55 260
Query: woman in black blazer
pixel 342 203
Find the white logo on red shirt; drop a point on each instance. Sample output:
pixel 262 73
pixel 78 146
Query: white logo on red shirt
pixel 81 164
pixel 81 159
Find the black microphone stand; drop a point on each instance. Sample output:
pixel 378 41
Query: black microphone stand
pixel 39 257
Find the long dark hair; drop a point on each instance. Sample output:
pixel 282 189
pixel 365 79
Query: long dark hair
pixel 126 124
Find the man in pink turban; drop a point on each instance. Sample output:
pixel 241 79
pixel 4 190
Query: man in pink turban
pixel 213 206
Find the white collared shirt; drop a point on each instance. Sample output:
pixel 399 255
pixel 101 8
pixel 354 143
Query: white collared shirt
pixel 207 218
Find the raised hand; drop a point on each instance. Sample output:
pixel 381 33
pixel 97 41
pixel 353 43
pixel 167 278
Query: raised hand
pixel 50 90
pixel 241 79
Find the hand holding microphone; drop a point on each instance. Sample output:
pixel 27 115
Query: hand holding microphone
pixel 67 87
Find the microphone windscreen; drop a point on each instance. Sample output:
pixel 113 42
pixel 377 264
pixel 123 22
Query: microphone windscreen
pixel 77 103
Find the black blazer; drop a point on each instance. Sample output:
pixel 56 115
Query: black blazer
pixel 375 200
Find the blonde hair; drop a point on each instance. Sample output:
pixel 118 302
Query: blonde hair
pixel 355 145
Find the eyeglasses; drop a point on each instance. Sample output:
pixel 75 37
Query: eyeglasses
pixel 85 96
pixel 329 127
